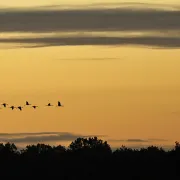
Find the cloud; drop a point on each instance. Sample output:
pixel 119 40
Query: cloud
pixel 137 140
pixel 88 59
pixel 40 137
pixel 127 18
pixel 163 42
pixel 120 19
pixel 33 133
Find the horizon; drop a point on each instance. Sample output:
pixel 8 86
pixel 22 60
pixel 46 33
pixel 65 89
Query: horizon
pixel 22 140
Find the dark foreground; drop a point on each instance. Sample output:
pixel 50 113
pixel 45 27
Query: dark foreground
pixel 89 158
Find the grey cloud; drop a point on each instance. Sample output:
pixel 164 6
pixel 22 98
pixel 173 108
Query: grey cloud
pixel 89 59
pixel 120 19
pixel 158 140
pixel 128 140
pixel 32 133
pixel 38 139
pixel 41 137
pixel 82 20
pixel 137 140
pixel 162 42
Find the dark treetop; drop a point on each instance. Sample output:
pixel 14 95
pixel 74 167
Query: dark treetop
pixel 89 158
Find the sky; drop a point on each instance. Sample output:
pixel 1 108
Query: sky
pixel 115 70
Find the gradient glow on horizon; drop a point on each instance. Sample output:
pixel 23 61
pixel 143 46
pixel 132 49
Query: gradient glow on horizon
pixel 123 92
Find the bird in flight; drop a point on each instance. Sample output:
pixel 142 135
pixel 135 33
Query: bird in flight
pixel 59 104
pixel 4 104
pixel 20 108
pixel 12 107
pixel 49 104
pixel 34 107
pixel 27 103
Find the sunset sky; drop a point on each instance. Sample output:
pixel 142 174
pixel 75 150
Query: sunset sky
pixel 116 71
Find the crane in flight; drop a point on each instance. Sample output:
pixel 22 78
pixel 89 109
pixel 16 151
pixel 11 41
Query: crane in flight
pixel 27 103
pixel 20 108
pixel 34 107
pixel 4 104
pixel 59 104
pixel 49 104
pixel 12 107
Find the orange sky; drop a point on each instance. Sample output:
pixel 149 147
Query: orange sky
pixel 123 92
pixel 132 96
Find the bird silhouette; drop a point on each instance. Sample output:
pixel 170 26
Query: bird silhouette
pixel 59 104
pixel 12 107
pixel 20 108
pixel 34 107
pixel 27 103
pixel 49 104
pixel 4 104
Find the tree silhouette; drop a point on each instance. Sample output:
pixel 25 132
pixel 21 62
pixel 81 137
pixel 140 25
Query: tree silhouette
pixel 89 158
pixel 8 148
pixel 90 145
pixel 177 146
pixel 59 149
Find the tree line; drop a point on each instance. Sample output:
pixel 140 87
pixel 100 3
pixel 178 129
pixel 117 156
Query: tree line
pixel 89 158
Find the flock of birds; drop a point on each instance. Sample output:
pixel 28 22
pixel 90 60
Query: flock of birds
pixel 5 105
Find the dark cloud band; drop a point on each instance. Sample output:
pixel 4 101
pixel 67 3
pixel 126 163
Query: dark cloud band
pixel 163 42
pixel 41 137
pixel 92 20
pixel 122 19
